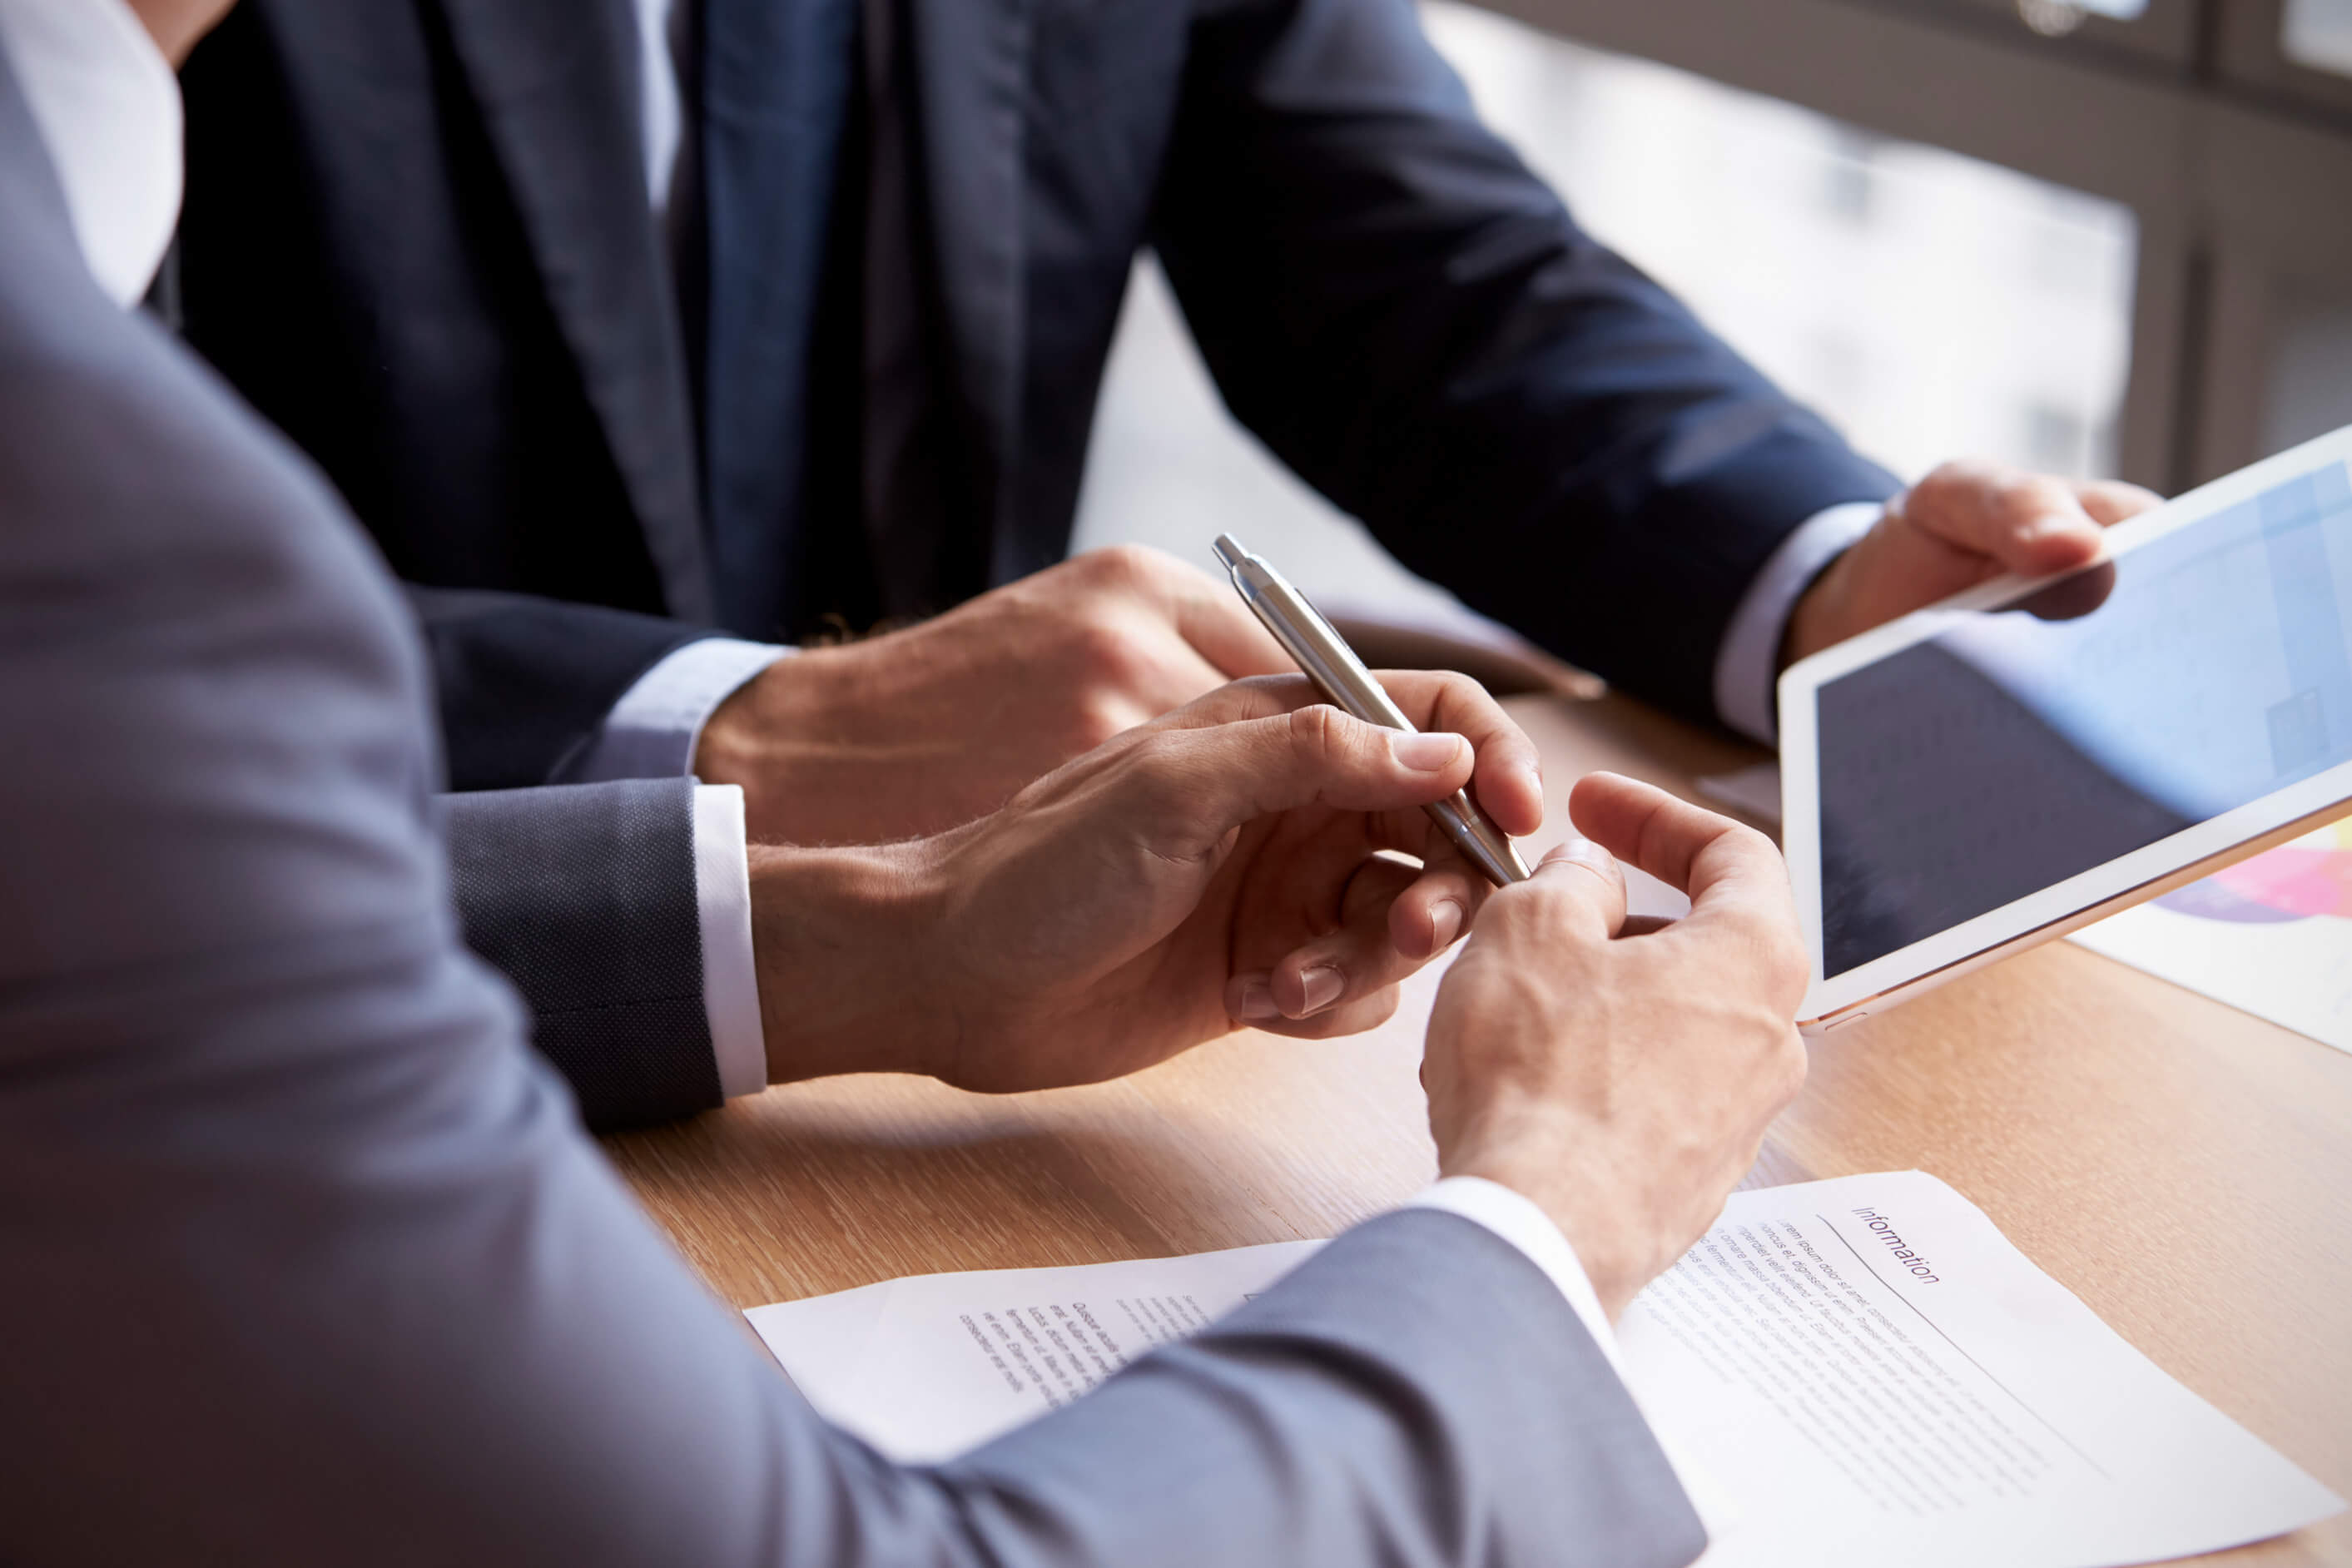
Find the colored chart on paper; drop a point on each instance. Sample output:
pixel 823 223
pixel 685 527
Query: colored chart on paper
pixel 2272 936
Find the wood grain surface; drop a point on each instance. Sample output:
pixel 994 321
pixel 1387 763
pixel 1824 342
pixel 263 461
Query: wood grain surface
pixel 2185 1168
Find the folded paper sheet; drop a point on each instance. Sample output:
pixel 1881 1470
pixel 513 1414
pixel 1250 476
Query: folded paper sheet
pixel 1856 1371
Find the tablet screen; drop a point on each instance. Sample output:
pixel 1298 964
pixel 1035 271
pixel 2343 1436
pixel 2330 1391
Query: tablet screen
pixel 2098 714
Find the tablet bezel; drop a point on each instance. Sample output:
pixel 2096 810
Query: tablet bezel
pixel 2065 906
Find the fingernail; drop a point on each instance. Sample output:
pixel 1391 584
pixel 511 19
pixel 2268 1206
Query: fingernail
pixel 1445 922
pixel 1257 1001
pixel 1323 986
pixel 1425 753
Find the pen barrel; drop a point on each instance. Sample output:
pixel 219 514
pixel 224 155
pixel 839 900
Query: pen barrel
pixel 1340 675
pixel 1481 843
pixel 1318 649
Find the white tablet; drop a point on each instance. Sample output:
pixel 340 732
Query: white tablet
pixel 2023 759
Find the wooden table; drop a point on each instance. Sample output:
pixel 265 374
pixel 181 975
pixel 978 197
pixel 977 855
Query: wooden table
pixel 2185 1168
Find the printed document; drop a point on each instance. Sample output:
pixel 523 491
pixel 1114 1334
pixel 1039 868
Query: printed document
pixel 1856 1371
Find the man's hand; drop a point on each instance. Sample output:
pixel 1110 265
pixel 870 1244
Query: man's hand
pixel 1235 861
pixel 920 730
pixel 1963 524
pixel 1622 1078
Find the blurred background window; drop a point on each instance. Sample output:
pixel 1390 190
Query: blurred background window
pixel 2310 366
pixel 1931 305
pixel 2056 19
pixel 2318 34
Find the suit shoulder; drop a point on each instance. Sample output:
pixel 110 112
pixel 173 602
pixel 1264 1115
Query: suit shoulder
pixel 129 455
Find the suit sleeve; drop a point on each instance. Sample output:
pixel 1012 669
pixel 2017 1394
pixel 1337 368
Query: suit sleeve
pixel 319 1264
pixel 582 896
pixel 522 684
pixel 1366 1410
pixel 1413 321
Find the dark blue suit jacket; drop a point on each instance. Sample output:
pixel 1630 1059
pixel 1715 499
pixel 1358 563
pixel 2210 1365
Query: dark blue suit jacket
pixel 418 238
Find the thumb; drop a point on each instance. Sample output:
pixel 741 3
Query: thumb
pixel 1728 870
pixel 2030 524
pixel 1199 785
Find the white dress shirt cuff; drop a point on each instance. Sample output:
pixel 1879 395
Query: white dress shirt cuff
pixel 1518 1220
pixel 1747 666
pixel 722 893
pixel 652 731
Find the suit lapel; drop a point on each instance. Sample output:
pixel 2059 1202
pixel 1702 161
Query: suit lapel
pixel 555 83
pixel 945 257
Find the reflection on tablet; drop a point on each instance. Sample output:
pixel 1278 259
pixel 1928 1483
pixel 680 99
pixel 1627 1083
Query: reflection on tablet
pixel 2093 717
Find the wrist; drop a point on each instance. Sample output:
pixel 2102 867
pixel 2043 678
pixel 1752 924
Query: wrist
pixel 835 942
pixel 1524 1152
pixel 734 742
pixel 1817 620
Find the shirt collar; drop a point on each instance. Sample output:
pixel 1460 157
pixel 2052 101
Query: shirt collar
pixel 108 106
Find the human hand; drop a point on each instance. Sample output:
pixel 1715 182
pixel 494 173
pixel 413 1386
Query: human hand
pixel 917 731
pixel 1621 1074
pixel 1963 524
pixel 1232 861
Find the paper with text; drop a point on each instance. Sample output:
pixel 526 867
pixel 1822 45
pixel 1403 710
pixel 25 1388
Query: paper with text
pixel 1856 1371
pixel 926 1367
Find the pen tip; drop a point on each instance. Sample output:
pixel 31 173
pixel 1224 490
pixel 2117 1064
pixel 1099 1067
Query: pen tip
pixel 1229 550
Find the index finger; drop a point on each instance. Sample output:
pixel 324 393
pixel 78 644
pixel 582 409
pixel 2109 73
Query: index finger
pixel 1508 780
pixel 1508 777
pixel 1211 617
pixel 1732 873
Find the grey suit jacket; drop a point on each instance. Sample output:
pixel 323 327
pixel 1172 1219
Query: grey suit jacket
pixel 583 897
pixel 307 1259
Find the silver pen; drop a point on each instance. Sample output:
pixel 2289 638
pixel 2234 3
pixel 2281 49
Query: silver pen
pixel 1342 676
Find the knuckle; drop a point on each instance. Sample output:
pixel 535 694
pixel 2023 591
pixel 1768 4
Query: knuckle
pixel 1453 685
pixel 1542 914
pixel 1110 657
pixel 1958 477
pixel 1945 476
pixel 1780 950
pixel 1096 718
pixel 1465 699
pixel 1768 963
pixel 1155 771
pixel 1124 566
pixel 1317 734
pixel 1095 638
pixel 2024 492
pixel 1750 843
